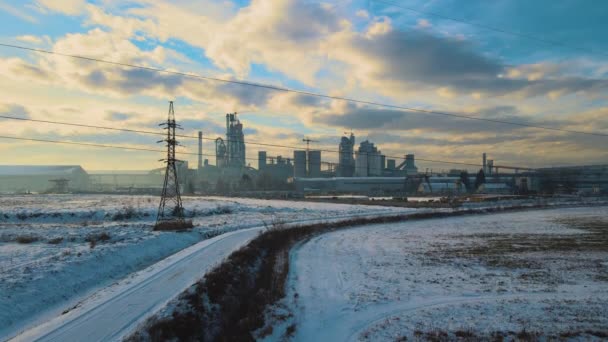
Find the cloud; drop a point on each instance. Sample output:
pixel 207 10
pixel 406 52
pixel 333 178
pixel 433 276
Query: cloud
pixel 69 7
pixel 14 110
pixel 373 118
pixel 315 47
pixel 17 68
pixel 423 23
pixel 14 11
pixel 118 116
pixel 30 39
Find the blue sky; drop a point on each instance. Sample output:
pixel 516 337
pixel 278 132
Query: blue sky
pixel 364 49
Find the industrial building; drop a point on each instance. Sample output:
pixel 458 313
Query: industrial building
pixel 278 167
pixel 307 163
pixel 43 178
pixel 346 160
pixel 231 152
pixel 368 161
pixel 382 185
pixel 127 181
pixel 406 168
pixel 299 164
pixel 585 179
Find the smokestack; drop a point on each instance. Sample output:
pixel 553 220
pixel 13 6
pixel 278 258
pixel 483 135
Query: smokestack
pixel 485 170
pixel 200 150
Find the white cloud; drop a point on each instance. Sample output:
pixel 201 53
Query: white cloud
pixel 423 23
pixel 307 42
pixel 14 11
pixel 30 39
pixel 69 7
pixel 362 14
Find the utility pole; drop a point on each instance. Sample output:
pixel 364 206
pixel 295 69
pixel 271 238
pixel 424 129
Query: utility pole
pixel 308 141
pixel 170 211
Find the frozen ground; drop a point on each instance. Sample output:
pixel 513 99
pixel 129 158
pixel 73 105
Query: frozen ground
pixel 514 275
pixel 56 249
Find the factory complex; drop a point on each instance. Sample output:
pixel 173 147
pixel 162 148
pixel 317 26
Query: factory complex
pixel 360 169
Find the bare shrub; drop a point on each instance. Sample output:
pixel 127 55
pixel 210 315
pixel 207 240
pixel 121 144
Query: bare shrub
pixel 126 213
pixel 55 241
pixel 465 334
pixel 290 330
pixel 525 335
pixel 173 226
pixel 25 239
pixel 93 239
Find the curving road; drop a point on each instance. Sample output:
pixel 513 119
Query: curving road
pixel 116 311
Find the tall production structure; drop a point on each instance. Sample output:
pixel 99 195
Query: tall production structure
pixel 307 164
pixel 235 141
pixel 346 161
pixel 369 160
pixel 313 162
pixel 262 156
pixel 299 164
pixel 410 165
pixel 200 150
pixel 170 210
pixel 220 153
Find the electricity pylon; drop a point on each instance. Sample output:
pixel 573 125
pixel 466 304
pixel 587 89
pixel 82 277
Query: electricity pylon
pixel 170 210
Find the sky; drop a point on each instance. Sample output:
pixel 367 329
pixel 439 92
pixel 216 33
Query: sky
pixel 397 52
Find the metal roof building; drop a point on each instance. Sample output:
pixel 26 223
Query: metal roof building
pixel 37 178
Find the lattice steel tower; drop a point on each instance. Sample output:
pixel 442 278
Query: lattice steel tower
pixel 170 208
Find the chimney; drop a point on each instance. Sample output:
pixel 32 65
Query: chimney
pixel 200 150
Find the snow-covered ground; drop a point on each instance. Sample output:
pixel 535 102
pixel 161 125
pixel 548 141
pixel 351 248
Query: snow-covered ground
pixel 542 271
pixel 57 249
pixel 114 312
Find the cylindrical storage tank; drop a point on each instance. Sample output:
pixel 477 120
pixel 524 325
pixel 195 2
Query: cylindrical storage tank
pixel 261 160
pixel 314 164
pixel 361 164
pixel 299 167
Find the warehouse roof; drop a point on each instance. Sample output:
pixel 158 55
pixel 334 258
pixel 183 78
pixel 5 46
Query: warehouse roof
pixel 35 170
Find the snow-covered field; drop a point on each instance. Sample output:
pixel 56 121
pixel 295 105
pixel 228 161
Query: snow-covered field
pixel 513 275
pixel 56 249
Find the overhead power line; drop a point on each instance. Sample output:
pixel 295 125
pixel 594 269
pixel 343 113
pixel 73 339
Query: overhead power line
pixel 64 142
pixel 196 137
pixel 495 29
pixel 187 153
pixel 301 92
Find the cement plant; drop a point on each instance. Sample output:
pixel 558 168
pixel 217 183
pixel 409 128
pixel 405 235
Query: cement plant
pixel 358 170
pixel 288 170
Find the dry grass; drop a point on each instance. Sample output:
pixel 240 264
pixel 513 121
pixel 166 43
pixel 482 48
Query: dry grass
pixel 504 250
pixel 173 226
pixel 93 239
pixel 26 239
pixel 231 300
pixel 55 241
